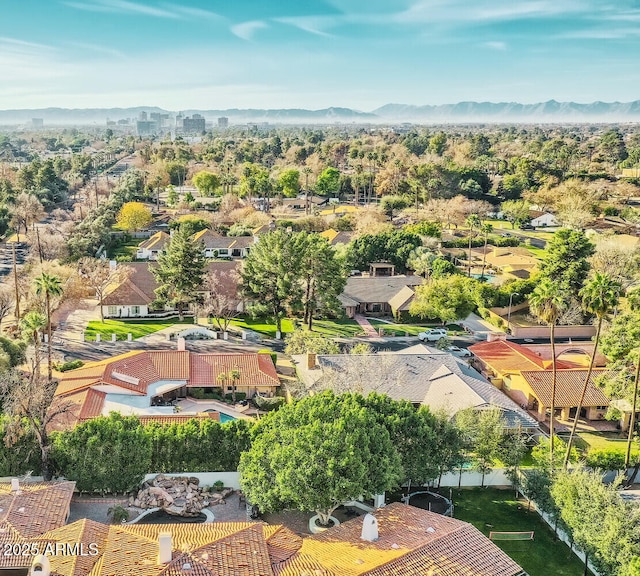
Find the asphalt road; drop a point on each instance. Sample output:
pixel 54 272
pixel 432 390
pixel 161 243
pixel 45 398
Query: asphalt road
pixel 6 257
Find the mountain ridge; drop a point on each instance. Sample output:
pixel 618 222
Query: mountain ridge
pixel 465 111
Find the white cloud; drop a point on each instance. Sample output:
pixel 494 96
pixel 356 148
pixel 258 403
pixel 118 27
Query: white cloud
pixel 246 30
pixel 496 45
pixel 123 7
pixel 312 24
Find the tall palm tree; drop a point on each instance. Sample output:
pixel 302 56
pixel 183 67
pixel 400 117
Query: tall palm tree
pixel 599 297
pixel 32 325
pixel 486 229
pixel 474 223
pixel 548 302
pixel 49 286
pixel 632 421
pixel 234 376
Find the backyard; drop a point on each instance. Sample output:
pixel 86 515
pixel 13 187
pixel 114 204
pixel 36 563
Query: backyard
pixel 497 510
pixel 137 328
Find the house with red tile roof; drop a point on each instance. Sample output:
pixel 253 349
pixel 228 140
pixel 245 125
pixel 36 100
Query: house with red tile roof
pixel 410 542
pixel 143 382
pixel 134 297
pixel 525 374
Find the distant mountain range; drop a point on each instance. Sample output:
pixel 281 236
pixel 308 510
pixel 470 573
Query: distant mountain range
pixel 462 112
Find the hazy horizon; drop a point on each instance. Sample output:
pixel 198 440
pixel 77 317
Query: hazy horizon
pixel 315 54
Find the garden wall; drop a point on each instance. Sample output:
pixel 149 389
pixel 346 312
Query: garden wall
pixel 472 479
pixel 230 479
pixel 561 331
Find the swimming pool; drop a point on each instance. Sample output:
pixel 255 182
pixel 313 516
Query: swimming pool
pixel 225 418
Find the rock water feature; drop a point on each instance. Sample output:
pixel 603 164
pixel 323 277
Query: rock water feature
pixel 177 496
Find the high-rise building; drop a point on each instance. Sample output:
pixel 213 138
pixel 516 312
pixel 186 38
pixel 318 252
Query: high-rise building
pixel 193 125
pixel 223 122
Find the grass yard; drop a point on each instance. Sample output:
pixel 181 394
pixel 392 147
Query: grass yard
pixel 263 326
pixel 137 328
pixel 615 441
pixel 489 509
pixel 124 248
pixel 346 328
pixel 539 253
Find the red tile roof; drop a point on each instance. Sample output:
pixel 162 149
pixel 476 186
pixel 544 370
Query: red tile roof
pixel 166 419
pixel 506 356
pixel 569 384
pixel 255 369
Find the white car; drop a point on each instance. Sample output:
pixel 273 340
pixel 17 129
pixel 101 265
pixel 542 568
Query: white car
pixel 461 352
pixel 432 335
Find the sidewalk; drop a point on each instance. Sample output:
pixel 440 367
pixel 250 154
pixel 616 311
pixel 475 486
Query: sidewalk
pixel 366 326
pixel 479 325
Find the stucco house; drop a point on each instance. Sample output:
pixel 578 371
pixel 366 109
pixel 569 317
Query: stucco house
pixel 134 297
pixel 542 219
pixel 142 382
pixel 153 246
pixel 378 295
pixel 218 246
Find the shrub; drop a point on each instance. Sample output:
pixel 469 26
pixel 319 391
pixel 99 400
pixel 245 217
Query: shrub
pixel 606 459
pixel 218 485
pixel 268 404
pixel 239 396
pixel 71 365
pixel 118 514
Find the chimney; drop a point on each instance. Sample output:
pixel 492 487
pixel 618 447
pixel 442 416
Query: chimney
pixel 15 485
pixel 311 360
pixel 40 566
pixel 181 345
pixel 164 547
pixel 369 528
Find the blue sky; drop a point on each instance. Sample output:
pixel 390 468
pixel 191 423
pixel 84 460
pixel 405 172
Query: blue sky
pixel 315 53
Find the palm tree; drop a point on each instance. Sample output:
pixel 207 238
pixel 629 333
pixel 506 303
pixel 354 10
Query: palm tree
pixel 474 223
pixel 548 302
pixel 222 380
pixel 632 422
pixel 486 229
pixel 49 285
pixel 234 376
pixel 599 296
pixel 32 325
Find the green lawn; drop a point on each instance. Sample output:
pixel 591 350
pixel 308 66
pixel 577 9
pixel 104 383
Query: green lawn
pixel 616 441
pixel 539 253
pixel 124 247
pixel 489 509
pixel 263 326
pixel 346 328
pixel 137 328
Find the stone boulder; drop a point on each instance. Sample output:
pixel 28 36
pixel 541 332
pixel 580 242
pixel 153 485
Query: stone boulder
pixel 178 496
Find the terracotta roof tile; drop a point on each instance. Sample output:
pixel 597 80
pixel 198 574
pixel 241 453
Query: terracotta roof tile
pixel 255 369
pixel 569 384
pixel 506 356
pixel 178 418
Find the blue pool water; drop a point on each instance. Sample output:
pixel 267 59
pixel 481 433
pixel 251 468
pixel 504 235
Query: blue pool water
pixel 225 418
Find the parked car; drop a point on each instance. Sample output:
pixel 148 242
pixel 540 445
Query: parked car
pixel 457 351
pixel 432 335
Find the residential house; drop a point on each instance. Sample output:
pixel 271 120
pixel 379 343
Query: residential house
pixel 335 237
pixel 378 295
pixel 409 541
pixel 302 202
pixel 541 219
pixel 153 246
pixel 417 374
pixel 134 297
pixel 218 246
pixel 526 376
pixel 143 383
pixel 510 262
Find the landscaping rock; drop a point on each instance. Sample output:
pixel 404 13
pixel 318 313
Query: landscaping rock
pixel 179 496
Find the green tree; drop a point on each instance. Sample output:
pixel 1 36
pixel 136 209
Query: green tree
pixel 483 431
pixel 133 216
pixel 438 143
pixel 317 453
pixel 180 272
pixel 548 302
pixel 49 286
pixel 328 183
pixel 601 523
pixel 566 262
pixel 513 448
pixel 172 196
pixel 392 203
pixel 271 275
pixel 393 247
pixel 206 182
pixel 421 260
pixel 302 341
pixel 323 275
pixel 449 298
pixel 289 182
pixel 90 452
pixel 485 229
pixel 599 297
pixel 515 211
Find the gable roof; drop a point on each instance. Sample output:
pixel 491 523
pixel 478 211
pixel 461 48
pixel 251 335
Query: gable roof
pixel 255 369
pixel 155 242
pixel 411 541
pixel 139 288
pixel 403 299
pixel 506 356
pixel 569 384
pixel 363 289
pixel 437 380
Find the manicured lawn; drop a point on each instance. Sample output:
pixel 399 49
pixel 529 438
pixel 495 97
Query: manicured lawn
pixel 489 509
pixel 337 328
pixel 263 326
pixel 137 328
pixel 539 253
pixel 412 329
pixel 122 247
pixel 588 441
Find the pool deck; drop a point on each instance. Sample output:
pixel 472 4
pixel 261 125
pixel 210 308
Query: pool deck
pixel 193 406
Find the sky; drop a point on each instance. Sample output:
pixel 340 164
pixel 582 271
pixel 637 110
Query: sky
pixel 360 54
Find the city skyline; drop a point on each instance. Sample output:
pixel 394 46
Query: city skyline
pixel 317 54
